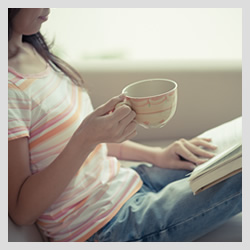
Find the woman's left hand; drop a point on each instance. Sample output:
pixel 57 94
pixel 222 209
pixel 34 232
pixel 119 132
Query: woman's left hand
pixel 185 154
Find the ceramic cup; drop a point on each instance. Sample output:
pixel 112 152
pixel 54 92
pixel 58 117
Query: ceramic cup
pixel 153 100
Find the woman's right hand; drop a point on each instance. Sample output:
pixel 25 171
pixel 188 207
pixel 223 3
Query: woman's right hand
pixel 30 195
pixel 107 124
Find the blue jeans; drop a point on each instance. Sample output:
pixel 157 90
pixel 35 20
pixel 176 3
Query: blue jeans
pixel 165 209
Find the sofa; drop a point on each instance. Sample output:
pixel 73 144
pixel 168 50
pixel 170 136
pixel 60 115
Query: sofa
pixel 209 94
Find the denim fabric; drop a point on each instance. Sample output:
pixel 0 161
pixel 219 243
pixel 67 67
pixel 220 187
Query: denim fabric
pixel 165 209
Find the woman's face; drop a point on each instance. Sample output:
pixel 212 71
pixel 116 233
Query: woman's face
pixel 28 21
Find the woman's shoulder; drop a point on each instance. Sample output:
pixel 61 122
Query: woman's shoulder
pixel 27 61
pixel 14 74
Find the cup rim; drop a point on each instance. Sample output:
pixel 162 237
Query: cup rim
pixel 146 80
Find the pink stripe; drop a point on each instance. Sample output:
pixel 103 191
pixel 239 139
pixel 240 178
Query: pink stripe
pixel 155 112
pixel 17 99
pixel 29 76
pixel 55 120
pixel 59 214
pixel 19 120
pixel 55 153
pixel 88 182
pixel 52 109
pixel 44 87
pixel 14 80
pixel 93 220
pixel 84 208
pixel 111 168
pixel 14 73
pixel 122 197
pixel 17 130
pixel 51 148
pixel 22 107
pixel 48 93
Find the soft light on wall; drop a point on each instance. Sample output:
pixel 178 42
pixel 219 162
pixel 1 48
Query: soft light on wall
pixel 146 33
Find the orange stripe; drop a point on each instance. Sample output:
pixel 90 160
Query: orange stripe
pixel 81 203
pixel 55 117
pixel 155 112
pixel 61 127
pixel 94 230
pixel 26 84
pixel 154 102
pixel 12 86
pixel 20 106
pixel 99 226
pixel 89 158
pixel 23 85
pixel 48 93
pixel 18 136
pixel 75 208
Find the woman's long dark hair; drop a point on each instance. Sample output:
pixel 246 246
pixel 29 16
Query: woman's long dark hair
pixel 39 43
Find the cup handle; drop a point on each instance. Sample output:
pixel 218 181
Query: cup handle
pixel 125 102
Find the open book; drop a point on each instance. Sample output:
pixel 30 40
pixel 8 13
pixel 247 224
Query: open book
pixel 228 159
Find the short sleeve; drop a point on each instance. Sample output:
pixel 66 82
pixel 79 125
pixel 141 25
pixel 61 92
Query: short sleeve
pixel 19 110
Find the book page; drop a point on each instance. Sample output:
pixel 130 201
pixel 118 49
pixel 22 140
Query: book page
pixel 222 158
pixel 225 135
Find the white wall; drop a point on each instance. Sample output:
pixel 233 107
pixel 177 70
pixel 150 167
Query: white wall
pixel 146 33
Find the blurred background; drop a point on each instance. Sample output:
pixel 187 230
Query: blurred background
pixel 199 48
pixel 146 33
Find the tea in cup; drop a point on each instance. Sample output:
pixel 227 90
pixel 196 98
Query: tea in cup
pixel 153 100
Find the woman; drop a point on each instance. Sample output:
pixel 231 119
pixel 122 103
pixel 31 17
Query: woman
pixel 63 169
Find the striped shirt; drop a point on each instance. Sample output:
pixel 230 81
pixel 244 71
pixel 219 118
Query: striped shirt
pixel 47 108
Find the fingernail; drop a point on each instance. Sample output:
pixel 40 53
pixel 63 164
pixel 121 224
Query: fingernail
pixel 209 154
pixel 192 167
pixel 201 161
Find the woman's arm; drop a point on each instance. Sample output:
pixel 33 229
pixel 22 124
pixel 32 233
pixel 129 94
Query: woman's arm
pixel 30 195
pixel 132 151
pixel 183 154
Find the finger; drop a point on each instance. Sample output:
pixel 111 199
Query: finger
pixel 198 151
pixel 121 113
pixel 122 96
pixel 188 155
pixel 206 139
pixel 130 128
pixel 204 142
pixel 185 165
pixel 128 119
pixel 108 106
pixel 128 133
pixel 131 135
